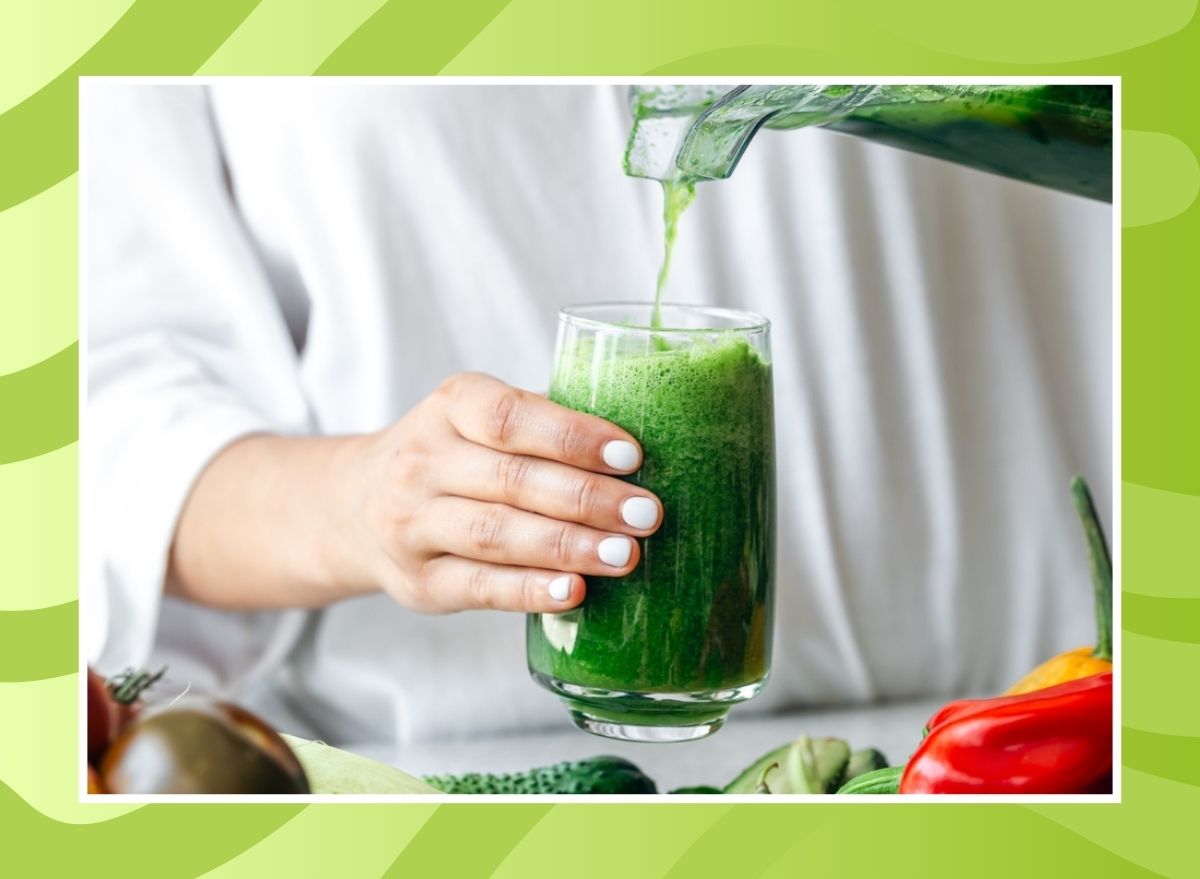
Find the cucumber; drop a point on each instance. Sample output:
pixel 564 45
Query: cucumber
pixel 597 775
pixel 804 766
pixel 866 760
pixel 877 781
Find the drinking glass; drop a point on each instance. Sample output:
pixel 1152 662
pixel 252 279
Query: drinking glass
pixel 664 652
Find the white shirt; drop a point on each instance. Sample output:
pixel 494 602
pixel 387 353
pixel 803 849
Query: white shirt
pixel 316 256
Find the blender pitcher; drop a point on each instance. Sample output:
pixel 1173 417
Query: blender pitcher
pixel 1059 136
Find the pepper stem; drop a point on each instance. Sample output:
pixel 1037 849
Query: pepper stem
pixel 1100 563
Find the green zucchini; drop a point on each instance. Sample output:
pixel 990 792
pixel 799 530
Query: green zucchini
pixel 878 781
pixel 804 766
pixel 597 775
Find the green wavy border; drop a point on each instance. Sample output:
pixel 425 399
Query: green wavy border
pixel 52 849
pixel 1152 46
pixel 426 39
pixel 39 407
pixel 39 644
pixel 1167 619
pixel 38 136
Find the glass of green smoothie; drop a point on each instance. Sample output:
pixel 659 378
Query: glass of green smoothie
pixel 661 654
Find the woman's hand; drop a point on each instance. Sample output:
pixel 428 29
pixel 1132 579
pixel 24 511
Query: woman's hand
pixel 486 496
pixel 483 496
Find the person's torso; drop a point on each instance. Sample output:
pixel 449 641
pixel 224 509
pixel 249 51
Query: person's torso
pixel 941 365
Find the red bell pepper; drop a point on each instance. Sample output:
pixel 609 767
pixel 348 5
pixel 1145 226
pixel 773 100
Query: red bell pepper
pixel 1052 741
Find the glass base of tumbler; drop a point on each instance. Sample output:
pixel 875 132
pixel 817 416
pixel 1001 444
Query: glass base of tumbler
pixel 630 732
pixel 648 717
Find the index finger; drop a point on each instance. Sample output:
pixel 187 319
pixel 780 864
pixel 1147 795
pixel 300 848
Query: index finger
pixel 486 411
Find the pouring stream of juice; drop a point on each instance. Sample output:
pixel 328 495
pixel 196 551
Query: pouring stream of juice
pixel 677 195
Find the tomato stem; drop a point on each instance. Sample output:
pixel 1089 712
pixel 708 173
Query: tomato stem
pixel 129 685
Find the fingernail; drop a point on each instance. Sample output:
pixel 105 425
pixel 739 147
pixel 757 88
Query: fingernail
pixel 560 588
pixel 615 551
pixel 639 512
pixel 620 455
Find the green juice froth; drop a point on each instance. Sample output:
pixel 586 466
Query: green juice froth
pixel 694 615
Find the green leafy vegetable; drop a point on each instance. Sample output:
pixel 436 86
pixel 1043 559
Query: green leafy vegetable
pixel 804 766
pixel 866 760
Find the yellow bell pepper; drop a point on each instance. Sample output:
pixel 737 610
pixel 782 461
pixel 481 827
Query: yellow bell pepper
pixel 1083 661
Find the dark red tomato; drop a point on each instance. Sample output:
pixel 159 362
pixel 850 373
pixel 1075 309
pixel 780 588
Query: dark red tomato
pixel 94 784
pixel 201 746
pixel 113 703
pixel 104 716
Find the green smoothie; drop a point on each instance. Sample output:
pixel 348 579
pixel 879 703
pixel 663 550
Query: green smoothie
pixel 694 617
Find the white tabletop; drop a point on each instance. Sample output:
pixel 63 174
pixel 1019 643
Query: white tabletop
pixel 895 729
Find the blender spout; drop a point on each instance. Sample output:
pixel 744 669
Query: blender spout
pixel 663 117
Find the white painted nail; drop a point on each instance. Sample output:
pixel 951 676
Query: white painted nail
pixel 620 455
pixel 560 588
pixel 639 512
pixel 615 551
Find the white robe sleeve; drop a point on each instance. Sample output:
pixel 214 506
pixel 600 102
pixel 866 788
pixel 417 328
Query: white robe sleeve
pixel 186 349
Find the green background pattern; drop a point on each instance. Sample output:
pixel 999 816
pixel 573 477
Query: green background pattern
pixel 45 45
